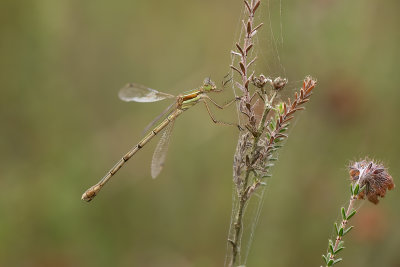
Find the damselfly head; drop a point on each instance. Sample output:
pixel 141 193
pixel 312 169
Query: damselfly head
pixel 208 85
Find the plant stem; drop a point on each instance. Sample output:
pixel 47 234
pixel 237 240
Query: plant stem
pixel 238 224
pixel 247 43
pixel 344 223
pixel 243 196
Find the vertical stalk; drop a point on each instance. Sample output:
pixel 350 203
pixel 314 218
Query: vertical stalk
pixel 245 79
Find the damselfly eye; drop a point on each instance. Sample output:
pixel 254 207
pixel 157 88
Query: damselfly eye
pixel 206 81
pixel 208 85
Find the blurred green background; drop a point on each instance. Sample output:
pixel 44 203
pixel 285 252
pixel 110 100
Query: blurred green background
pixel 63 127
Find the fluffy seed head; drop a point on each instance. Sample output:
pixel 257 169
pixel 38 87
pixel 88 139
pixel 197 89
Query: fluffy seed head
pixel 374 176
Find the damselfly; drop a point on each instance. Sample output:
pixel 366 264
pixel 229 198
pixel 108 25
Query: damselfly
pixel 139 93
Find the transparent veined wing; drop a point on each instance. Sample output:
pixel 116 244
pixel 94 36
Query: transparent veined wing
pixel 156 119
pixel 160 153
pixel 139 93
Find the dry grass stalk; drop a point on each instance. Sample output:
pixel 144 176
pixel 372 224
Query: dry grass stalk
pixel 261 137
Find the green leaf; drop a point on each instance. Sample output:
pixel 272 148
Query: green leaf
pixel 282 106
pixel 341 231
pixel 266 176
pixel 351 189
pixel 272 125
pixel 337 229
pixel 348 230
pixel 325 258
pixel 356 189
pixel 351 214
pixel 330 262
pixel 337 260
pixel 331 248
pixel 343 214
pixel 337 250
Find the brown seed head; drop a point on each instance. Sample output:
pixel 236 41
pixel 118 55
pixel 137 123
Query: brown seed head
pixel 374 176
